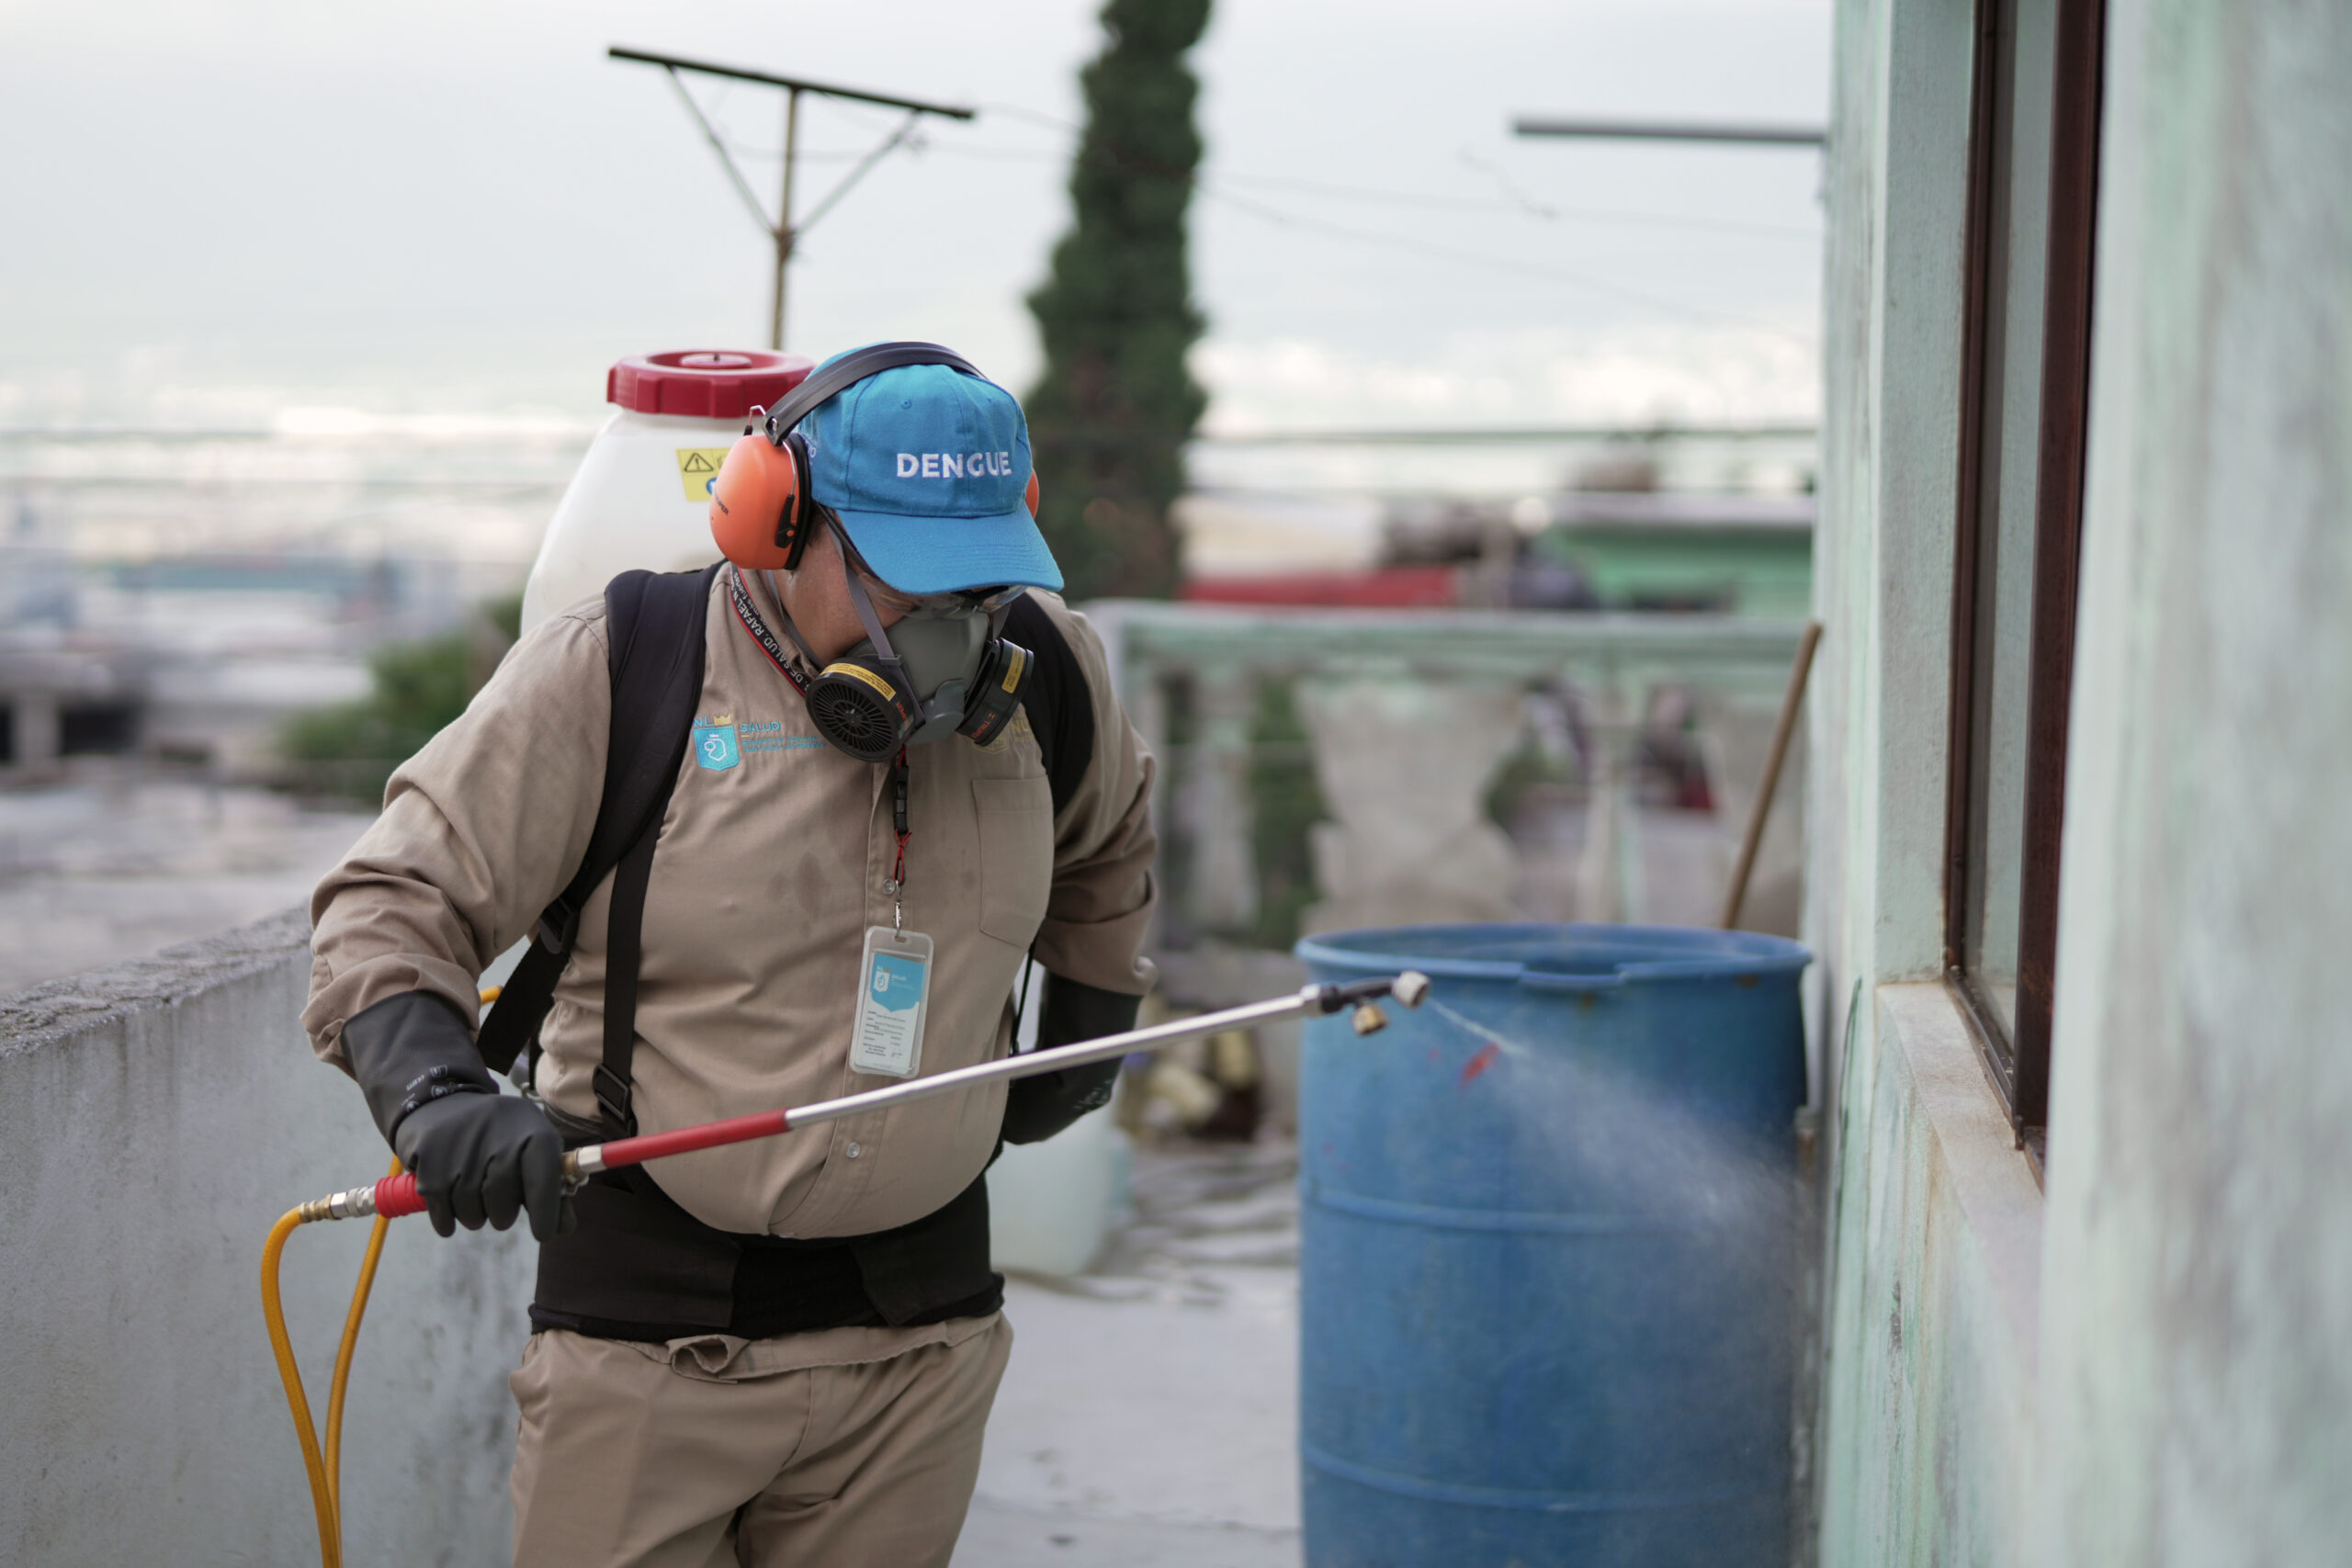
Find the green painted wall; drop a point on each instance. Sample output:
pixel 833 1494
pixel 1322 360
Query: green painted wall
pixel 2151 1364
pixel 1922 1416
pixel 2198 1315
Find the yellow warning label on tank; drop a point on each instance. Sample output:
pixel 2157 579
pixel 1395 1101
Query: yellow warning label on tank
pixel 697 466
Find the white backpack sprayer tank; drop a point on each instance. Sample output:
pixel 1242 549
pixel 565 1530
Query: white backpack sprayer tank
pixel 641 498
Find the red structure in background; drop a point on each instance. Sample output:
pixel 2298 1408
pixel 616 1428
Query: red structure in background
pixel 1385 588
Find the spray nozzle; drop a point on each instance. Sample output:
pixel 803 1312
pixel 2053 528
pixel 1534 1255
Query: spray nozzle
pixel 1411 987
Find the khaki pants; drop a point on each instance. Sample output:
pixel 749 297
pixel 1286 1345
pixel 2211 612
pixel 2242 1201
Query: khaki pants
pixel 844 1448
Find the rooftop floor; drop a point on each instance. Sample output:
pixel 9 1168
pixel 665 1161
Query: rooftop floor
pixel 1150 1416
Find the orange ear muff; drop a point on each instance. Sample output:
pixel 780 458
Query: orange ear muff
pixel 1030 495
pixel 755 503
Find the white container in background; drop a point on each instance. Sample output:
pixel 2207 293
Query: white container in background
pixel 642 497
pixel 1051 1204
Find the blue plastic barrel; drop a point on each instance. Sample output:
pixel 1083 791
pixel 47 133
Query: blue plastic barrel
pixel 1548 1245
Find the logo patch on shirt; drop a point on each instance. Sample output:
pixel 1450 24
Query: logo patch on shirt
pixel 769 735
pixel 714 744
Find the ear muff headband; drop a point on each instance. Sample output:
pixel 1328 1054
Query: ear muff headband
pixel 759 506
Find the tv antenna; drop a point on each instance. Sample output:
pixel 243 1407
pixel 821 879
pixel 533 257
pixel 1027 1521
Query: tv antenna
pixel 785 232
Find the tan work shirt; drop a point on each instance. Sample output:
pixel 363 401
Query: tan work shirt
pixel 767 875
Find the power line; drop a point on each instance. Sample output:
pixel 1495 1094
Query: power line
pixel 1504 264
pixel 1209 186
pixel 1365 193
pixel 1589 215
pixel 1509 436
pixel 1372 195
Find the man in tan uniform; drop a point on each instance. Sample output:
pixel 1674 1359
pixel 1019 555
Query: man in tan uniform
pixel 782 1351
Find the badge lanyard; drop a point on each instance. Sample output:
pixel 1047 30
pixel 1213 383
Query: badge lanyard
pixel 896 886
pixel 749 614
pixel 894 979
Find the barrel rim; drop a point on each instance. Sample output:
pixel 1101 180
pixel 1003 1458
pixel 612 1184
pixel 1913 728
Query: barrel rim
pixel 1386 949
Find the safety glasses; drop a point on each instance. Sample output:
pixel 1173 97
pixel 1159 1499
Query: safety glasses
pixel 984 599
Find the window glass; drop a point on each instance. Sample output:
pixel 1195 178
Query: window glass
pixel 2017 216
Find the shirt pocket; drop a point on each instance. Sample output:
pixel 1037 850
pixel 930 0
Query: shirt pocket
pixel 1016 833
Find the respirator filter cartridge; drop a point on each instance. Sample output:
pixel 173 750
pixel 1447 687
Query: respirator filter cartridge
pixel 860 710
pixel 996 691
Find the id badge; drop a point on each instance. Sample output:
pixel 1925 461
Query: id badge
pixel 894 988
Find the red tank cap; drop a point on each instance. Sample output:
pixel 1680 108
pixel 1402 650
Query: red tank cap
pixel 705 383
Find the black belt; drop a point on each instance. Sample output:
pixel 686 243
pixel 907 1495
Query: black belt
pixel 640 1268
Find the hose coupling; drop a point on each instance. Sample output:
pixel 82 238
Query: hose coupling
pixel 352 1203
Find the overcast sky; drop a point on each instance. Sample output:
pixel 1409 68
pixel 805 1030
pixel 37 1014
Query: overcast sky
pixel 216 212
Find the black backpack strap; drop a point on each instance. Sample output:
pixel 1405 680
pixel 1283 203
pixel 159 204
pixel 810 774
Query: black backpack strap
pixel 1059 703
pixel 654 623
pixel 1060 707
pixel 623 951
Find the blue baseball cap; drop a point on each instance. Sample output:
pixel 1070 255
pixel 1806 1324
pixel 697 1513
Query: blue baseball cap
pixel 927 468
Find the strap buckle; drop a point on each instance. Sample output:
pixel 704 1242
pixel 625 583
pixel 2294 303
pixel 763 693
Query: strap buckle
pixel 614 1095
pixel 557 928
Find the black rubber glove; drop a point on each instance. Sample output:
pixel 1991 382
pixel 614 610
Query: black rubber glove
pixel 480 1156
pixel 486 1157
pixel 1035 1109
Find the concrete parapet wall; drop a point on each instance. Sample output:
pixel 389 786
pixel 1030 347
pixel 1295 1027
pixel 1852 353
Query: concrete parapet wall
pixel 155 1118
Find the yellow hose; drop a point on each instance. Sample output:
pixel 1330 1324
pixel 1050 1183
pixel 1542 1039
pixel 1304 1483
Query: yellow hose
pixel 321 1494
pixel 342 1354
pixel 323 1469
pixel 326 1469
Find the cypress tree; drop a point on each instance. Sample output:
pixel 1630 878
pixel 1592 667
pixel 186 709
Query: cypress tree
pixel 1110 417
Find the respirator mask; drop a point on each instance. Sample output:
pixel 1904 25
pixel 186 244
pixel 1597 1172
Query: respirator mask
pixel 944 669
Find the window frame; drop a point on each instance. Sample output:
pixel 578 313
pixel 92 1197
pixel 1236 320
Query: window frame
pixel 2019 1062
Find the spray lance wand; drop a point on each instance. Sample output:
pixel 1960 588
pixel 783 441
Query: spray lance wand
pixel 396 1194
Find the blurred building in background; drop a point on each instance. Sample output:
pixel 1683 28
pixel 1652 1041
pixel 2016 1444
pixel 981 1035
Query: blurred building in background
pixel 172 601
pixel 174 597
pixel 176 601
